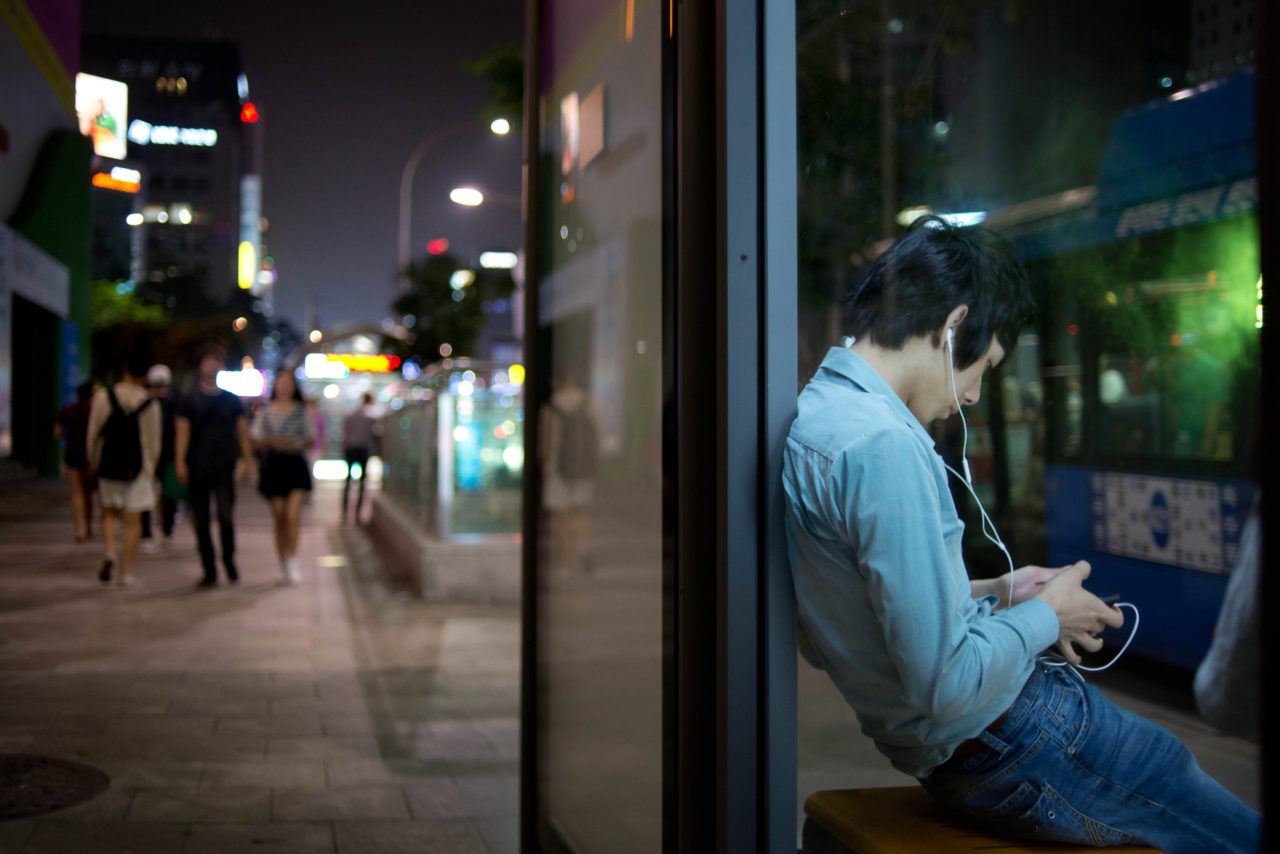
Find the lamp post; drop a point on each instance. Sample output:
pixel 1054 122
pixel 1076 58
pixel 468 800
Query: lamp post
pixel 498 128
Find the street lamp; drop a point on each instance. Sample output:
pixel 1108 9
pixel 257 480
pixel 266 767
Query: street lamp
pixel 471 197
pixel 406 185
pixel 466 196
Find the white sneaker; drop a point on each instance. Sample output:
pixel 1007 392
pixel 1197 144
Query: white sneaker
pixel 148 547
pixel 292 571
pixel 126 581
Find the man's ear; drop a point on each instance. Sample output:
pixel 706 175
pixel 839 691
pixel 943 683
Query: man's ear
pixel 953 321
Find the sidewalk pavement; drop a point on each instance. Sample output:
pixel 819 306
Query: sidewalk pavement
pixel 334 716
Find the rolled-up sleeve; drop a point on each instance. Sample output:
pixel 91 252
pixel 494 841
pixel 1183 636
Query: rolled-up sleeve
pixel 954 658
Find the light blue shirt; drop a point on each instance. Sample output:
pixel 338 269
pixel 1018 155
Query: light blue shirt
pixel 884 600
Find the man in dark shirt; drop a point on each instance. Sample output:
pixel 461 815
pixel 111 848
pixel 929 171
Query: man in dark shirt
pixel 211 433
pixel 358 433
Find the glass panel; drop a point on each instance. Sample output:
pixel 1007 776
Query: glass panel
pixel 598 327
pixel 488 444
pixel 1113 143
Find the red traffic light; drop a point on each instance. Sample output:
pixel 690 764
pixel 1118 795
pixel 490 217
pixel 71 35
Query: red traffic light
pixel 249 113
pixel 438 246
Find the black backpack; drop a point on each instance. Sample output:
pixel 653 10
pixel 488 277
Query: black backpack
pixel 121 441
pixel 579 444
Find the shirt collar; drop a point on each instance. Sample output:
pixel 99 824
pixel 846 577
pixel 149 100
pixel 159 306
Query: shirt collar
pixel 848 364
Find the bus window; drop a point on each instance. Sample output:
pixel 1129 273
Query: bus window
pixel 1173 381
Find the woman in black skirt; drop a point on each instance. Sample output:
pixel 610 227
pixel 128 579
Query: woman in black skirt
pixel 282 431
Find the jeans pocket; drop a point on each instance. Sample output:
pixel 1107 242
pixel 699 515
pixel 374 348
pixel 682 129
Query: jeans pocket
pixel 1040 812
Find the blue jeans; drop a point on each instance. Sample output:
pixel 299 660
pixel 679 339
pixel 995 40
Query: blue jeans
pixel 1066 765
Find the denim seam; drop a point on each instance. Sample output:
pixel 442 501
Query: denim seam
pixel 1176 817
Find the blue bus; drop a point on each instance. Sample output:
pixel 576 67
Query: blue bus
pixel 1139 384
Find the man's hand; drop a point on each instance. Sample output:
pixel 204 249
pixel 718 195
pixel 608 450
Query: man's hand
pixel 1081 615
pixel 180 468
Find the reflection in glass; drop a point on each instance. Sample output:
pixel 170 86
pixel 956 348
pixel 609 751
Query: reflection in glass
pixel 599 337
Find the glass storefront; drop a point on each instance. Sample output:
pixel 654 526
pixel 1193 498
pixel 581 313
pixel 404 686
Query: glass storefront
pixel 1114 144
pixel 599 338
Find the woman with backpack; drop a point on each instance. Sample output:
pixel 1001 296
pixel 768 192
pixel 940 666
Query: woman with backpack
pixel 283 431
pixel 123 445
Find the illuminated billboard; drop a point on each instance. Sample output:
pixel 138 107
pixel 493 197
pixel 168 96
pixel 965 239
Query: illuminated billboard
pixel 102 108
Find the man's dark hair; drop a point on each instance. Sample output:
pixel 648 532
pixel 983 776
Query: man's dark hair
pixel 210 349
pixel 926 273
pixel 135 358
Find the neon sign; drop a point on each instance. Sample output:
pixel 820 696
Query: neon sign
pixel 334 366
pixel 145 133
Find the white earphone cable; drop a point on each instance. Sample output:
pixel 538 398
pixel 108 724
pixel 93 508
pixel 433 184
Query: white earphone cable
pixel 989 529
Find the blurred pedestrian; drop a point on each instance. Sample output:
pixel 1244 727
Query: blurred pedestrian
pixel 211 446
pixel 570 439
pixel 159 383
pixel 123 444
pixel 359 431
pixel 72 427
pixel 283 431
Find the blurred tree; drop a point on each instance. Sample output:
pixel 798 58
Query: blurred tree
pixel 869 93
pixel 116 303
pixel 503 68
pixel 442 313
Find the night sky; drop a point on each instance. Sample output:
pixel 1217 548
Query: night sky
pixel 345 97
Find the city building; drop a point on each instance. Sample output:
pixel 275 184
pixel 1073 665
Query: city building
pixel 44 228
pixel 193 137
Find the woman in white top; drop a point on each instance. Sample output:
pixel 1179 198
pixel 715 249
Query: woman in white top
pixel 282 431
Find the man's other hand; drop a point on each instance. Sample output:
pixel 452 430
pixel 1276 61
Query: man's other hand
pixel 1081 615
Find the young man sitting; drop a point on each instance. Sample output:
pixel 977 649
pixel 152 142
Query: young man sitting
pixel 946 674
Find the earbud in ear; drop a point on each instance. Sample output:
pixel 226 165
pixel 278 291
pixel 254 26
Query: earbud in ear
pixel 950 335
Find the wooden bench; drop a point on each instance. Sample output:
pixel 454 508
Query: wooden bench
pixel 906 820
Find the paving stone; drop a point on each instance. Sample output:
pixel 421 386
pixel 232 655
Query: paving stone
pixel 501 834
pixel 110 806
pixel 13 835
pixel 366 772
pixel 291 838
pixel 294 726
pixel 364 803
pixel 407 837
pixel 204 805
pixel 318 747
pixel 57 837
pixel 263 772
pixel 152 773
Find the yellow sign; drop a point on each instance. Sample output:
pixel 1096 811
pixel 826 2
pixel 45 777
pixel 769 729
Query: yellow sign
pixel 248 265
pixel 359 362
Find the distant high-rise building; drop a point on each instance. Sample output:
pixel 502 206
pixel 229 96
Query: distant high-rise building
pixel 1223 37
pixel 194 135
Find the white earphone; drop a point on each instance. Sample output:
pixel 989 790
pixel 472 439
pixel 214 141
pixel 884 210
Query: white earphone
pixel 989 527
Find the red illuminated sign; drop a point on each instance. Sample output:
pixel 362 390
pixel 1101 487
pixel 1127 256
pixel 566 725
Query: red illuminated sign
pixel 439 246
pixel 249 113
